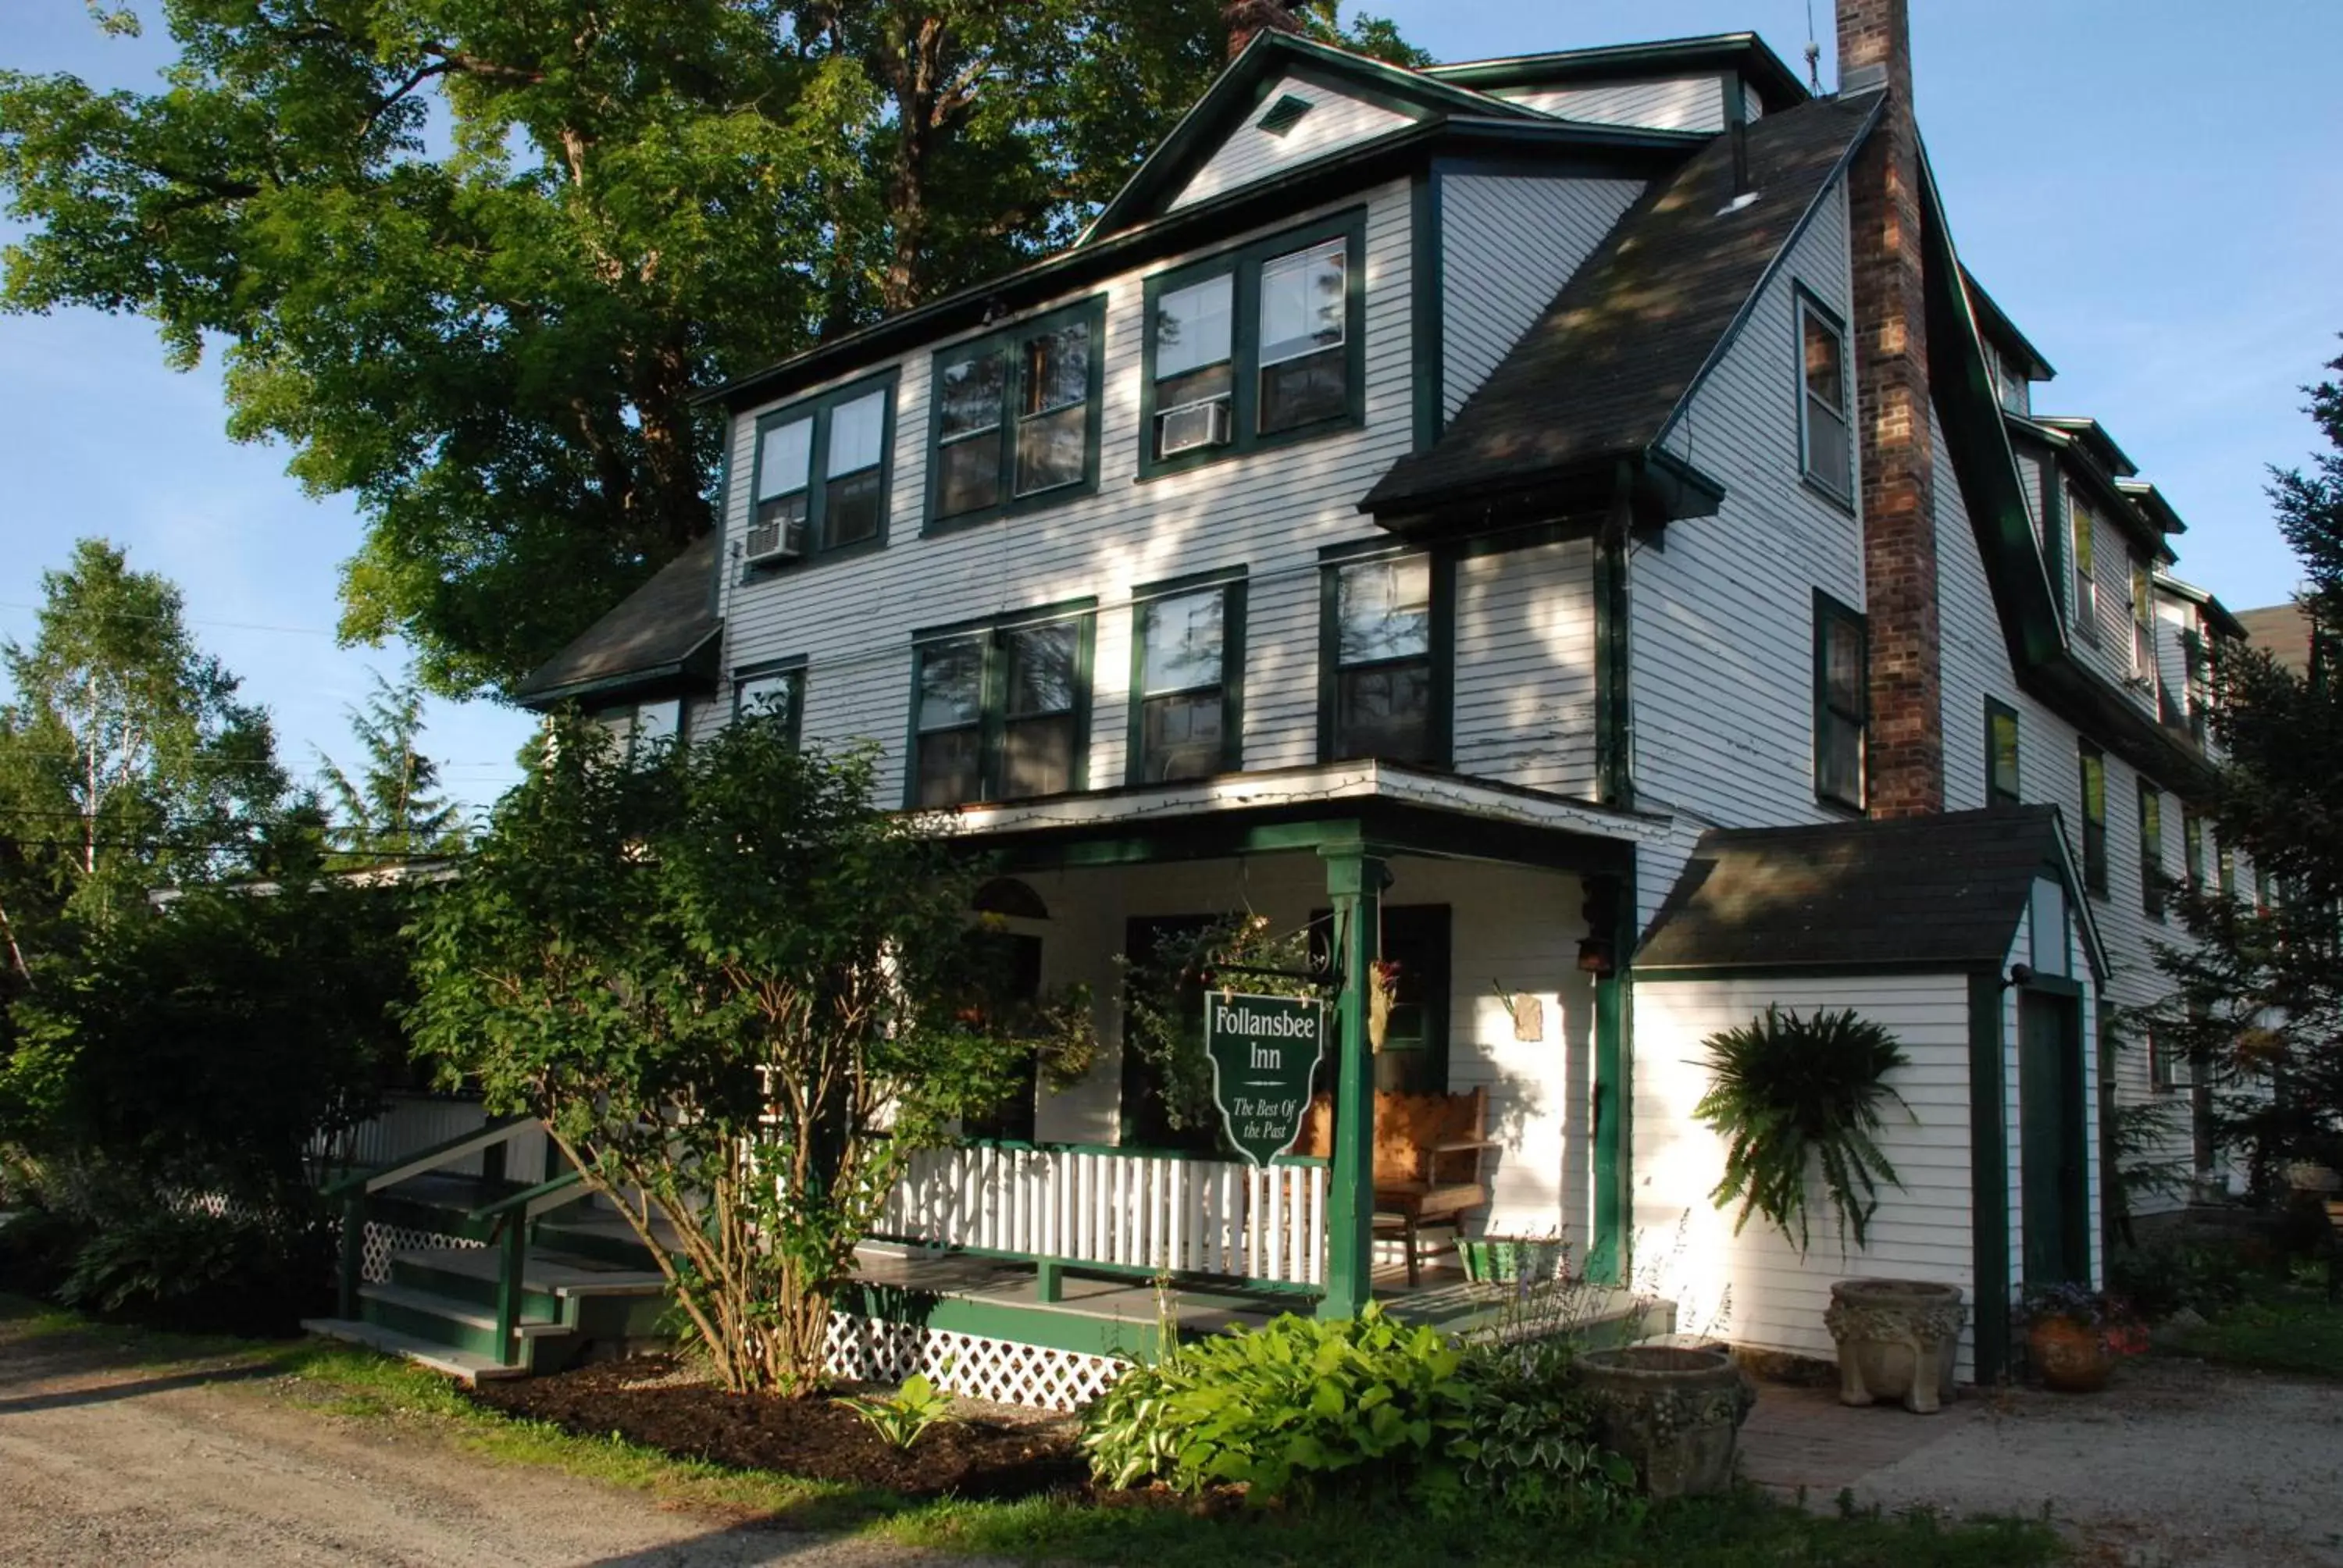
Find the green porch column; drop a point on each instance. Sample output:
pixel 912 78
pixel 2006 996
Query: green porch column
pixel 1355 878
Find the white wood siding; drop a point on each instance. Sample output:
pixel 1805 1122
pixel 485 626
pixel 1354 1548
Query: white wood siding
pixel 1512 929
pixel 1524 700
pixel 1754 1289
pixel 852 619
pixel 1335 120
pixel 1507 247
pixel 1662 103
pixel 1723 616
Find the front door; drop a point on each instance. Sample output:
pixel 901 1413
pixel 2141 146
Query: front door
pixel 2053 1154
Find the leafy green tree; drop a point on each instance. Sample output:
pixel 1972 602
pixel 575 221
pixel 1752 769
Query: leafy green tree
pixel 729 982
pixel 393 809
pixel 126 761
pixel 2258 1002
pixel 469 259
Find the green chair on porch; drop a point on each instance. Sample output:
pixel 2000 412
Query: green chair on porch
pixel 1428 1168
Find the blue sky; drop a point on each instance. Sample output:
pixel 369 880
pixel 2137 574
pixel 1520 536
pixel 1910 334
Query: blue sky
pixel 2152 188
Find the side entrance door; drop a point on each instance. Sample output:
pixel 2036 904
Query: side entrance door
pixel 2054 1155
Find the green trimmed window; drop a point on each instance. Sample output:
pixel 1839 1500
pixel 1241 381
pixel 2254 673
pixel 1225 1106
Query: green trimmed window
pixel 1187 681
pixel 1015 421
pixel 2162 1078
pixel 2001 786
pixel 1384 640
pixel 2092 764
pixel 2198 674
pixel 1000 711
pixel 2151 848
pixel 2192 848
pixel 2083 604
pixel 778 688
pixel 1254 348
pixel 635 727
pixel 1825 418
pixel 1842 703
pixel 818 485
pixel 2143 623
pixel 2225 861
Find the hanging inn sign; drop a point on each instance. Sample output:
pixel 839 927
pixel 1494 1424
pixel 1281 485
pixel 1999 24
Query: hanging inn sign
pixel 1265 1051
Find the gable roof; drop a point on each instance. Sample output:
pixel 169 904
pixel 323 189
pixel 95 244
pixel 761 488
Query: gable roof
pixel 1938 891
pixel 1269 58
pixel 1777 86
pixel 2214 612
pixel 662 635
pixel 1998 326
pixel 1600 375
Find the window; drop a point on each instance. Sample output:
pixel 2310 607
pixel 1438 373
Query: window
pixel 1187 681
pixel 1016 418
pixel 637 726
pixel 2000 754
pixel 2198 678
pixel 1383 637
pixel 2151 848
pixel 1254 348
pixel 819 480
pixel 1000 711
pixel 2143 623
pixel 1826 455
pixel 775 689
pixel 1842 703
pixel 2093 764
pixel 2192 848
pixel 2083 605
pixel 2225 861
pixel 2161 1079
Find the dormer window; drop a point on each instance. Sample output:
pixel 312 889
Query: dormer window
pixel 2084 606
pixel 2143 624
pixel 1826 453
pixel 1257 346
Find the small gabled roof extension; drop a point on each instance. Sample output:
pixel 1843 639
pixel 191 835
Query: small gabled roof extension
pixel 1269 58
pixel 2214 612
pixel 1997 327
pixel 2088 454
pixel 661 637
pixel 1599 379
pixel 1914 892
pixel 1777 85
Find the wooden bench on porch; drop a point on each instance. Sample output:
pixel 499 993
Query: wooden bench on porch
pixel 1428 1161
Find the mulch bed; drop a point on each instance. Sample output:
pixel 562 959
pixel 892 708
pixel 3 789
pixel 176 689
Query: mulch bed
pixel 652 1400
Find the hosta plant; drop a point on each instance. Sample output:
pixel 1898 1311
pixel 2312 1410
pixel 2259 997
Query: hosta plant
pixel 1796 1098
pixel 900 1417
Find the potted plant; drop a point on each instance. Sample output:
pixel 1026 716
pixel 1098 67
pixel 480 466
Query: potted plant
pixel 1506 1260
pixel 2074 1335
pixel 1672 1410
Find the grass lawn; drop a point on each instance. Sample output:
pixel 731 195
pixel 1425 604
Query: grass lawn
pixel 2282 1326
pixel 1740 1531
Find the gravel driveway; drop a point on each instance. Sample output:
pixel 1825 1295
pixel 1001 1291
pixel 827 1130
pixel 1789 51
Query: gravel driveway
pixel 102 1463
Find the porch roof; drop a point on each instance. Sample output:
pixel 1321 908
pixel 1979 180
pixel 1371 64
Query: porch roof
pixel 1383 807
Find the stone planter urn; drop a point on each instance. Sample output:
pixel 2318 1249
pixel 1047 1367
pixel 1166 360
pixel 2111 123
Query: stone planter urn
pixel 1897 1340
pixel 1672 1411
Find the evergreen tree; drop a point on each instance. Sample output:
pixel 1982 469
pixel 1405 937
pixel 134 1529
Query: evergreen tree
pixel 393 809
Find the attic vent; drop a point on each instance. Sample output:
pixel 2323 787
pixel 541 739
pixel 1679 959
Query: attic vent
pixel 1282 115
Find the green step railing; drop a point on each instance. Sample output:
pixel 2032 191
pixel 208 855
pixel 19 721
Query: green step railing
pixel 353 1191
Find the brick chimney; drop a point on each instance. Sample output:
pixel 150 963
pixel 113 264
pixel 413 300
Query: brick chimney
pixel 1247 17
pixel 1892 411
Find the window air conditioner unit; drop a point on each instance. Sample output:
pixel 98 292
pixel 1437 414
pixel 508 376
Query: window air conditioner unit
pixel 779 539
pixel 1194 425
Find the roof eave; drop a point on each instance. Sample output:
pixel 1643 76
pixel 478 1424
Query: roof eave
pixel 694 671
pixel 1778 87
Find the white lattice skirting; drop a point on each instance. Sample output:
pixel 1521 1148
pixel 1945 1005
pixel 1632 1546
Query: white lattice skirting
pixel 1003 1370
pixel 382 1240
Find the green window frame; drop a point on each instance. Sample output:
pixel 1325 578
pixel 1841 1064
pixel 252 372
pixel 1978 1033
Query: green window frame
pixel 803 506
pixel 1022 378
pixel 1825 400
pixel 1181 724
pixel 2091 766
pixel 1000 707
pixel 2152 883
pixel 780 682
pixel 1386 654
pixel 2161 1077
pixel 2225 861
pixel 2197 677
pixel 2143 624
pixel 666 717
pixel 2001 775
pixel 2082 556
pixel 2192 847
pixel 1270 401
pixel 1841 704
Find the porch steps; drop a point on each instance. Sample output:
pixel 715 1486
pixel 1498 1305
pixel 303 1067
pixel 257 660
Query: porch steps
pixel 462 1365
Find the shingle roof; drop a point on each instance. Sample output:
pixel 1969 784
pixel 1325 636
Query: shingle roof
pixel 651 635
pixel 1927 890
pixel 1601 374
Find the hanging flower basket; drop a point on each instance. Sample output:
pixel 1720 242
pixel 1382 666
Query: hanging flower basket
pixel 1505 1259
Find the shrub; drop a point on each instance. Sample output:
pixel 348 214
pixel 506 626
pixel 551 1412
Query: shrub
pixel 201 1272
pixel 1528 1445
pixel 37 1247
pixel 2163 1276
pixel 1282 1408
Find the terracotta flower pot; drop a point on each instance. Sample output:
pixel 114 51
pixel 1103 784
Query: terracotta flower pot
pixel 1673 1412
pixel 1897 1340
pixel 2069 1357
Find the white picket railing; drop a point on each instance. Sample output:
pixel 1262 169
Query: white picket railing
pixel 1128 1208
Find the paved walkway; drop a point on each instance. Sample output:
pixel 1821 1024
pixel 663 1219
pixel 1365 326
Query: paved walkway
pixel 1802 1440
